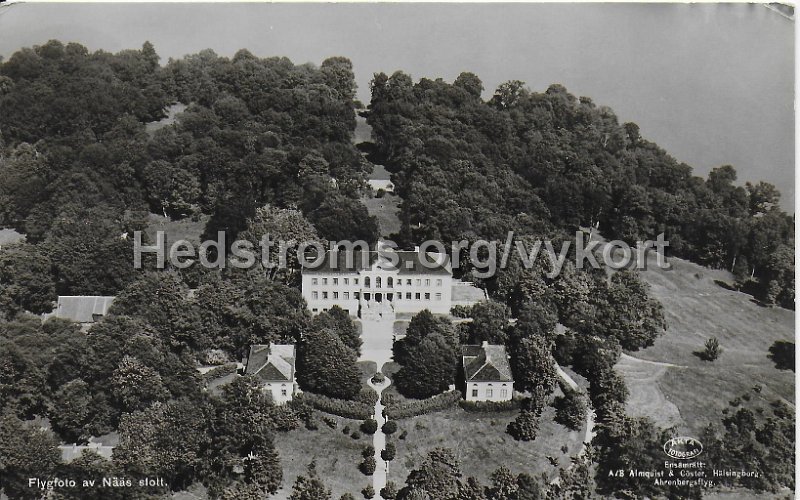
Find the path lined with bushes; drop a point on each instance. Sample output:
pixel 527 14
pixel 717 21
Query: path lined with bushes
pixel 379 438
pixel 377 346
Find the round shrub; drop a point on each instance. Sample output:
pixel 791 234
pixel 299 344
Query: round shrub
pixel 367 467
pixel 355 435
pixel 389 492
pixel 390 427
pixel 389 452
pixel 368 491
pixel 369 426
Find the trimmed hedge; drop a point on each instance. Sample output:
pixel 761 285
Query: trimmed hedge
pixel 423 406
pixel 490 406
pixel 461 311
pixel 341 407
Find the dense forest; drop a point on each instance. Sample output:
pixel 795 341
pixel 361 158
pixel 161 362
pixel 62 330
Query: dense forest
pixel 544 162
pixel 265 146
pixel 79 170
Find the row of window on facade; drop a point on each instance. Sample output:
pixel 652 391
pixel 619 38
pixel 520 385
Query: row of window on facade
pixel 356 295
pixel 390 282
pixel 284 390
pixel 490 392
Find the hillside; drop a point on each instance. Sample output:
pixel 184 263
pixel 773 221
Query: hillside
pixel 694 392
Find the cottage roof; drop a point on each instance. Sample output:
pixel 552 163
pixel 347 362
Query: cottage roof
pixel 486 363
pixel 274 362
pixel 81 308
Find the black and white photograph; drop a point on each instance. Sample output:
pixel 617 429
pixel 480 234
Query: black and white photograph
pixel 397 250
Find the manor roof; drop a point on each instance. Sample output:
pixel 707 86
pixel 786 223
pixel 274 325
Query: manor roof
pixel 407 262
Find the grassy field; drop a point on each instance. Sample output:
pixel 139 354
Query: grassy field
pixel 400 327
pixel 174 230
pixel 481 443
pixel 694 392
pixel 337 457
pixel 386 210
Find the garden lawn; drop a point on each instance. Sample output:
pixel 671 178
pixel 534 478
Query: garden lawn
pixel 386 210
pixel 337 456
pixel 481 443
pixel 174 230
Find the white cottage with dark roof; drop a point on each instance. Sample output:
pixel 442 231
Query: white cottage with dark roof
pixel 379 283
pixel 487 373
pixel 274 366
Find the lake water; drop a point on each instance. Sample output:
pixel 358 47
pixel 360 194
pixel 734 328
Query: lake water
pixel 712 84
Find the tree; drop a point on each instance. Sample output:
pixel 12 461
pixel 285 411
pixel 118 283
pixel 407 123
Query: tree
pixel 166 440
pixel 26 280
pixel 137 385
pixel 339 322
pixel 423 324
pixel 779 278
pixel 89 466
pixel 712 349
pixel 533 367
pixel 262 467
pixel 161 299
pixel 390 427
pixel 389 492
pixel 389 452
pixel 489 322
pixel 504 485
pixel 286 226
pixel 23 390
pixel 428 369
pixel 526 426
pixel 781 353
pixel 338 74
pixel 633 440
pixel 629 314
pixel 71 412
pixel 369 426
pixel 570 409
pixel 80 238
pixel 367 466
pixel 470 83
pixel 327 366
pixel 340 218
pixel 246 309
pixel 27 452
pixel 472 489
pixel 172 191
pixel 762 196
pixel 310 487
pixel 438 476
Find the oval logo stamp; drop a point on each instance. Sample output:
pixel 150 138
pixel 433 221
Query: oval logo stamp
pixel 683 448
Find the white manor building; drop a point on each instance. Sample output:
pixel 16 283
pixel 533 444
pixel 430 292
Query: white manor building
pixel 379 284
